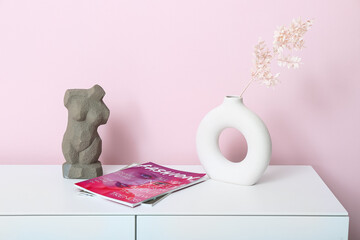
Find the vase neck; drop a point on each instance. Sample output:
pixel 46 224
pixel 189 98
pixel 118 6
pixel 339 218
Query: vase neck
pixel 233 99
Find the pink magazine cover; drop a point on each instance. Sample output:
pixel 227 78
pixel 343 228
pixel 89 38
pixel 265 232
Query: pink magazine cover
pixel 134 185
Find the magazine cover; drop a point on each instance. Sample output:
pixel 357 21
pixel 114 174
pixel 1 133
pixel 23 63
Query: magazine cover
pixel 136 184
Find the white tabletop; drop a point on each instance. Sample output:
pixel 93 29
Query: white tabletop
pixel 283 190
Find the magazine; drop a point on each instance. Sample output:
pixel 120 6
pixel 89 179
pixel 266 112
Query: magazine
pixel 140 183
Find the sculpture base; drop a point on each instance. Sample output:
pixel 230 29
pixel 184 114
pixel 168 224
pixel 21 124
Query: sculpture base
pixel 78 171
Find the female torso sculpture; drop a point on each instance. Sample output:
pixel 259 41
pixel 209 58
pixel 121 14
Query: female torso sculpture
pixel 81 144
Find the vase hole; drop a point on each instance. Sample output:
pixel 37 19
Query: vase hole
pixel 233 145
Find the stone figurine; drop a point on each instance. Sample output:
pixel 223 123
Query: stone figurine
pixel 81 144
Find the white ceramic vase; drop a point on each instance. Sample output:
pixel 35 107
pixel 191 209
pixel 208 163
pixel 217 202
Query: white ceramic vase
pixel 232 113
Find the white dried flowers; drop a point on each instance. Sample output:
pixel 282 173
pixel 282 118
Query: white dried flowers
pixel 290 38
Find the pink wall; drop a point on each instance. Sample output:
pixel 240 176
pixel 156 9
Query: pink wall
pixel 165 64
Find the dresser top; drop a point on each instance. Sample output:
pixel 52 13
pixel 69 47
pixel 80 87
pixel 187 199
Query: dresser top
pixel 282 191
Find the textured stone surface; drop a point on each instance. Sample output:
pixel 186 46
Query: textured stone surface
pixel 81 144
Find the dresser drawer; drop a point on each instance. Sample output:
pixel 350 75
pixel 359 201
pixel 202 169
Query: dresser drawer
pixel 242 227
pixel 67 227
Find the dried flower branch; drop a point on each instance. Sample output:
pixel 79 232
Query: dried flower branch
pixel 290 38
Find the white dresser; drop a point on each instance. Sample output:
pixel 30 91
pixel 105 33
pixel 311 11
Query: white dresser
pixel 289 202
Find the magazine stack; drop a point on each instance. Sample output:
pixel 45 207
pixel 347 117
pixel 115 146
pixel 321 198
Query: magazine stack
pixel 146 183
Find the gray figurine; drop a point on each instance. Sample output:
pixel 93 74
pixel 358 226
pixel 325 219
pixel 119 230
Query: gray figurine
pixel 81 144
